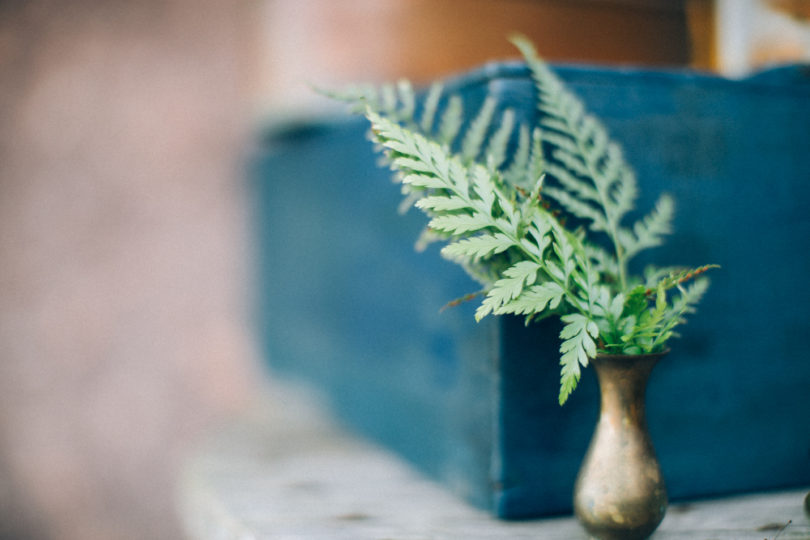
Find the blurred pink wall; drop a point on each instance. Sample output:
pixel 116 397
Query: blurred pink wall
pixel 123 256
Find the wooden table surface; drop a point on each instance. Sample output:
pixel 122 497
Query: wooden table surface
pixel 286 471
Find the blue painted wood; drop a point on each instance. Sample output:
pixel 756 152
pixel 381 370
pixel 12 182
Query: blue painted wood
pixel 344 301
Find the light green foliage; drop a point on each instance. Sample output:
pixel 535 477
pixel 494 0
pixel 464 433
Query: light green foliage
pixel 578 345
pixel 502 215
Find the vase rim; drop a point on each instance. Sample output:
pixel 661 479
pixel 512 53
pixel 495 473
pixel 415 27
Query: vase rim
pixel 629 357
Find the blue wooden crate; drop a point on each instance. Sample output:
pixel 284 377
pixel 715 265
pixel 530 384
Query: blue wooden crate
pixel 345 302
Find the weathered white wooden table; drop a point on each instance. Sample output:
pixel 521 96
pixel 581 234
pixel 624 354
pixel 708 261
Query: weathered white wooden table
pixel 286 472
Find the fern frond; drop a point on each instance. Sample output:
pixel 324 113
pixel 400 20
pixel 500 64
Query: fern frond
pixel 537 160
pixel 477 131
pixel 602 262
pixel 573 184
pixel 509 287
pixel 690 296
pixel 648 231
pixel 553 123
pixel 624 190
pixel 648 324
pixel 567 151
pixel 534 300
pixel 652 326
pixel 499 141
pixel 516 173
pixel 582 145
pixel 477 247
pixel 653 274
pixel 682 275
pixel 499 216
pixel 441 203
pixel 573 165
pixel 458 224
pixel 578 346
pixel 461 200
pixel 451 121
pixel 407 100
pixel 538 236
pixel 567 248
pixel 418 181
pixel 683 304
pixel 430 106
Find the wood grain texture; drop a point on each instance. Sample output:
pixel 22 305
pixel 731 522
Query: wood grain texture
pixel 287 471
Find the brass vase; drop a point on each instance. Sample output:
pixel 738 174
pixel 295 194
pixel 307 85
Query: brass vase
pixel 619 492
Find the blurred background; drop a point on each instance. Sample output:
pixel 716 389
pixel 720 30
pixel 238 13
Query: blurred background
pixel 125 239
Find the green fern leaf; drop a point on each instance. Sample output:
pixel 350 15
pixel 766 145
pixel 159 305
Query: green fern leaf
pixel 477 131
pixel 477 247
pixel 407 100
pixel 430 106
pixel 578 208
pixel 419 181
pixel 566 176
pixel 439 204
pixel 451 121
pixel 537 162
pixel 484 189
pixel 578 346
pixel 505 289
pixel 577 174
pixel 537 236
pixel 499 141
pixel 690 296
pixel 583 147
pixel 679 276
pixel 568 149
pixel 602 262
pixel 624 190
pixel 685 303
pixel 648 231
pixel 459 224
pixel 553 122
pixel 534 300
pixel 516 174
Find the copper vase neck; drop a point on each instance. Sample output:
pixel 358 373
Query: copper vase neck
pixel 623 384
